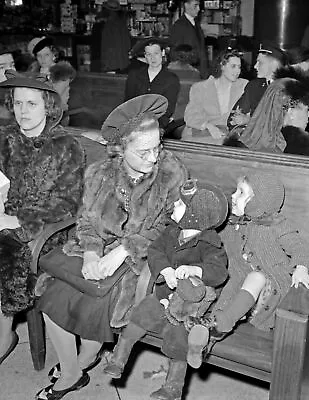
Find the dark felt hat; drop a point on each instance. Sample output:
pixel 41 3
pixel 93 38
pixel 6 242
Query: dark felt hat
pixel 29 80
pixel 207 205
pixel 112 5
pixel 115 125
pixel 44 42
pixel 139 47
pixel 274 51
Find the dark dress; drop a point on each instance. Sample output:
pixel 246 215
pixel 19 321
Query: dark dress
pixel 165 83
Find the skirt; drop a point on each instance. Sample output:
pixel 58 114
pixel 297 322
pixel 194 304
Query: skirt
pixel 75 311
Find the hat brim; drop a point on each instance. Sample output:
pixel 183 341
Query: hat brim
pixel 46 42
pixel 152 103
pixel 110 7
pixel 219 194
pixel 28 83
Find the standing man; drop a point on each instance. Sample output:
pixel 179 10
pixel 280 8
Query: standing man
pixel 6 62
pixel 269 59
pixel 187 30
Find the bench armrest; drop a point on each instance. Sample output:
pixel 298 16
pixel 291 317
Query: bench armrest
pixel 37 244
pixel 296 301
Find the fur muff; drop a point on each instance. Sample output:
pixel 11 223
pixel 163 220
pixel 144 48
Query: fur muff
pixel 17 283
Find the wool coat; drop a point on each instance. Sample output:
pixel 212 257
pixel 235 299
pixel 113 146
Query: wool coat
pixel 115 211
pixel 46 183
pixel 204 250
pixel 165 83
pixel 204 104
pixel 275 249
pixel 183 32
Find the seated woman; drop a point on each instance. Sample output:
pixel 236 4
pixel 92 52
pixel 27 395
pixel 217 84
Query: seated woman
pixel 127 199
pixel 278 123
pixel 45 54
pixel 154 77
pixel 45 168
pixel 211 101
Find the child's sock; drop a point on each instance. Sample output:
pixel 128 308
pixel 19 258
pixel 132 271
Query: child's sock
pixel 241 304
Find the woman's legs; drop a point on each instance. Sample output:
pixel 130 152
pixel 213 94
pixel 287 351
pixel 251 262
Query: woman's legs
pixel 65 345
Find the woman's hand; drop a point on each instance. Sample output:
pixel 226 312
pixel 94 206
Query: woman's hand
pixel 184 271
pixel 300 275
pixel 169 276
pixel 90 269
pixel 214 131
pixel 239 118
pixel 8 222
pixel 112 261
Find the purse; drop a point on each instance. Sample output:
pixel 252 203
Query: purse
pixel 69 269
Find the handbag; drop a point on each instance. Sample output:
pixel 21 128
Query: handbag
pixel 69 269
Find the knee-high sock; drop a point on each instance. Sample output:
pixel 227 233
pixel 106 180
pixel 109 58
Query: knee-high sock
pixel 227 318
pixel 5 332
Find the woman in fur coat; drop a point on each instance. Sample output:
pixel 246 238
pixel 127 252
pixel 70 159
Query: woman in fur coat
pixel 127 199
pixel 43 170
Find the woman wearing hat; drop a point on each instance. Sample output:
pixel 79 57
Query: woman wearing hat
pixel 45 53
pixel 154 77
pixel 44 168
pixel 127 199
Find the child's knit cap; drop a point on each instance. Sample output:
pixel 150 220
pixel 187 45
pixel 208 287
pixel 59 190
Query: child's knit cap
pixel 268 194
pixel 206 206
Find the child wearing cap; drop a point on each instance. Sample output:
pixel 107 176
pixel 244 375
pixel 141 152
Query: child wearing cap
pixel 267 255
pixel 188 248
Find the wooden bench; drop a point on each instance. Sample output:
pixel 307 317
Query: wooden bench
pixel 280 357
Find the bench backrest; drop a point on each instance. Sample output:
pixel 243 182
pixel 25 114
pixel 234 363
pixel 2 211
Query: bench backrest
pixel 103 92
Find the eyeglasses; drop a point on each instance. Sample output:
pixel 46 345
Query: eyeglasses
pixel 144 154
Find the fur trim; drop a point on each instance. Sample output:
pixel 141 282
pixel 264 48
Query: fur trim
pixel 17 281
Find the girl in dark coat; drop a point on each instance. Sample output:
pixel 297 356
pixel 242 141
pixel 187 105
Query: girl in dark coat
pixel 45 168
pixel 189 247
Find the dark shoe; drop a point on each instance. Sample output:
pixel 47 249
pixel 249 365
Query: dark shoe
pixel 55 372
pixel 11 347
pixel 197 340
pixel 49 393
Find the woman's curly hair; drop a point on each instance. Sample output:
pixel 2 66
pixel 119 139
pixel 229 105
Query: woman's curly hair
pixel 222 59
pixel 52 106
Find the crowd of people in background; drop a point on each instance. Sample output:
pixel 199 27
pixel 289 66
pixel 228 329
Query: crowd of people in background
pixel 136 203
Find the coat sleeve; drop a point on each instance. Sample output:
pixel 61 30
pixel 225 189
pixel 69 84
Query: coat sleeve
pixel 56 187
pixel 157 254
pixel 214 266
pixel 294 245
pixel 196 110
pixel 171 94
pixel 130 91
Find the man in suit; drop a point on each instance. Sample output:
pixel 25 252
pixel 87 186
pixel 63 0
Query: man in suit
pixel 269 59
pixel 187 30
pixel 6 62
